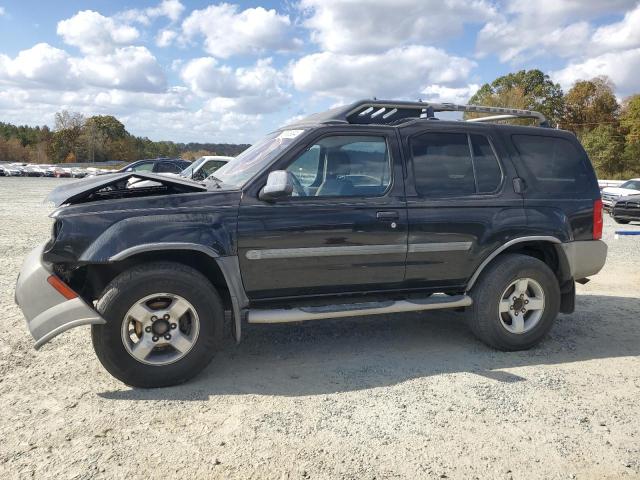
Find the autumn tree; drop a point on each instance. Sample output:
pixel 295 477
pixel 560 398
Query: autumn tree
pixel 588 104
pixel 528 89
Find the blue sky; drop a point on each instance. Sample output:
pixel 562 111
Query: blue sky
pixel 215 72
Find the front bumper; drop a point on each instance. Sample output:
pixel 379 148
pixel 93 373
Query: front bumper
pixel 48 312
pixel 585 257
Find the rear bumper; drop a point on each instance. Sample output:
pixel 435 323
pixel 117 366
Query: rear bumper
pixel 48 312
pixel 585 257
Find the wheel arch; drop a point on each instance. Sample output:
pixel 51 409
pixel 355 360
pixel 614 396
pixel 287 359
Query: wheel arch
pixel 545 248
pixel 222 271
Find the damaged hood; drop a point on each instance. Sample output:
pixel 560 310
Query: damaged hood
pixel 118 185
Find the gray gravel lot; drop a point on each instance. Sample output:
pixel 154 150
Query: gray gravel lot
pixel 408 396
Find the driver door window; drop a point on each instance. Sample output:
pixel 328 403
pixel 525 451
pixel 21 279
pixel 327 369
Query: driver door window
pixel 343 166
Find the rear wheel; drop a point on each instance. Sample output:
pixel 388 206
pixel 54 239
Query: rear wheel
pixel 164 325
pixel 515 302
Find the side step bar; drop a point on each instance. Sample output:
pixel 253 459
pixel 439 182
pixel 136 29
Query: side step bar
pixel 283 315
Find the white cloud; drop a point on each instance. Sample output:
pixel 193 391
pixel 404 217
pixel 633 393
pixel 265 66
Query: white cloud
pixel 94 33
pixel 513 41
pixel 378 25
pixel 41 65
pixel 254 89
pixel 165 38
pixel 228 32
pixel 171 9
pixel 2 11
pixel 400 72
pixel 128 68
pixel 623 68
pixel 440 93
pixel 623 34
pixel 526 28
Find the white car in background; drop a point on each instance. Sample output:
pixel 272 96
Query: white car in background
pixel 611 194
pixel 204 166
pixel 197 171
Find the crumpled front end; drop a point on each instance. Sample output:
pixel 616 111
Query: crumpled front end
pixel 48 304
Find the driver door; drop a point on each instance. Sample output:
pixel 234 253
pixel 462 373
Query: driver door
pixel 343 230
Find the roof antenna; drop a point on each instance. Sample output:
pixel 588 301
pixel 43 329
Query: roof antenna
pixel 430 113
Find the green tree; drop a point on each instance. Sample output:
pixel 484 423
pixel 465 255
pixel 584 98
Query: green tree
pixel 107 125
pixel 590 103
pixel 605 147
pixel 630 118
pixel 529 89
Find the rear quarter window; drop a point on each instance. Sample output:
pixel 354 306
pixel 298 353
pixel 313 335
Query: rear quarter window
pixel 552 164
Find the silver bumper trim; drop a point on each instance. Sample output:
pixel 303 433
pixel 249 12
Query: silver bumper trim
pixel 585 257
pixel 47 312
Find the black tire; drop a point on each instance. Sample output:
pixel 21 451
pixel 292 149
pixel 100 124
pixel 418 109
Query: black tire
pixel 138 282
pixel 484 320
pixel 620 221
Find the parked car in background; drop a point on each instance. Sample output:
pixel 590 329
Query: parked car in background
pixel 204 166
pixel 12 171
pixel 62 172
pixel 611 194
pixel 157 165
pixel 365 209
pixel 626 209
pixel 33 171
pixel 609 183
pixel 78 173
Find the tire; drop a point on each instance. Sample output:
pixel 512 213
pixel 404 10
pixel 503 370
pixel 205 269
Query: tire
pixel 491 326
pixel 201 324
pixel 620 221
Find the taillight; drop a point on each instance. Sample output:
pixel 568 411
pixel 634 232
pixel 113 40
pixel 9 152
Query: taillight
pixel 597 219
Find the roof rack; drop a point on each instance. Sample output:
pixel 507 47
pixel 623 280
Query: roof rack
pixel 384 112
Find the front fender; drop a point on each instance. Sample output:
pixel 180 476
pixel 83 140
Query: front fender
pixel 211 232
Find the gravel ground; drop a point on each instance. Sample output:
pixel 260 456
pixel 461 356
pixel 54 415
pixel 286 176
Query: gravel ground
pixel 415 397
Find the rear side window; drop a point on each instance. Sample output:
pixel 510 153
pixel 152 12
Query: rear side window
pixel 168 167
pixel 454 164
pixel 553 164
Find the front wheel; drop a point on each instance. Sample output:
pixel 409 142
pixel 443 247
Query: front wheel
pixel 515 302
pixel 164 325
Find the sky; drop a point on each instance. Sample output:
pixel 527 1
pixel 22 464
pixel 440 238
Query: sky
pixel 230 72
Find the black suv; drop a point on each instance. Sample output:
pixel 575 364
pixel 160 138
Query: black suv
pixel 373 208
pixel 157 165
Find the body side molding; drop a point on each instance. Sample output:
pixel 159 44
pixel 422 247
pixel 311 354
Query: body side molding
pixel 273 253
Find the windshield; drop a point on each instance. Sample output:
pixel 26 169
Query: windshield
pixel 631 185
pixel 250 162
pixel 188 172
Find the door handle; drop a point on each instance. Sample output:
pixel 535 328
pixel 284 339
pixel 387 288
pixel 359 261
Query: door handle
pixel 388 215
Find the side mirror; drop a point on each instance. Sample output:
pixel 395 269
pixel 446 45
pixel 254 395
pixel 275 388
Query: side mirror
pixel 279 185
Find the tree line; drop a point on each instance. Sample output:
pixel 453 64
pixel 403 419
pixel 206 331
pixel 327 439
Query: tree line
pixel 608 129
pixel 98 138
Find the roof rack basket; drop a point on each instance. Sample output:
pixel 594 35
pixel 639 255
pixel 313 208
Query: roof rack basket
pixel 385 112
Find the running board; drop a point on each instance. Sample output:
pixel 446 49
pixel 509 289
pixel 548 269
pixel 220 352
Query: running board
pixel 284 315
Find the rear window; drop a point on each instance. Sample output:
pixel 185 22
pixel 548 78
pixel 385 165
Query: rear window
pixel 552 164
pixel 454 164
